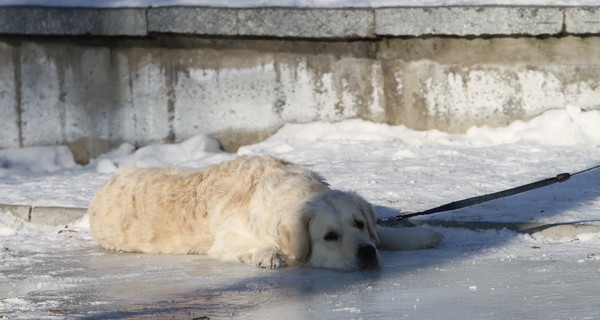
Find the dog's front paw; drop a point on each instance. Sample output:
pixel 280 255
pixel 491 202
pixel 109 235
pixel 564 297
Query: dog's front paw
pixel 268 259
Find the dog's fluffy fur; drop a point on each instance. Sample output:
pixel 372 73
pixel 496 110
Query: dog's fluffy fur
pixel 258 210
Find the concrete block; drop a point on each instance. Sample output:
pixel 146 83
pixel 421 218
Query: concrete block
pixel 232 141
pixel 40 97
pixel 567 231
pixel 465 21
pixel 306 23
pixel 554 231
pixel 72 21
pixel 269 22
pixel 190 20
pixel 86 149
pixel 19 211
pixel 152 96
pixel 216 100
pixel 55 216
pixel 581 20
pixel 75 92
pixel 458 98
pixel 145 91
pixel 9 106
pixel 246 91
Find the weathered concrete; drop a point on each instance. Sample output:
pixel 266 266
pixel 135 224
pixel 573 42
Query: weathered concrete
pixel 269 22
pixel 72 21
pixel 9 99
pixel 201 21
pixel 55 216
pixel 19 211
pixel 453 84
pixel 554 231
pixel 168 89
pixel 85 149
pixel 468 21
pixel 582 20
pixel 141 92
pixel 52 216
pixel 320 23
pixel 240 74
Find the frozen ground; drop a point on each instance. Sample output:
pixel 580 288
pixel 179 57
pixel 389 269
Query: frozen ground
pixel 60 272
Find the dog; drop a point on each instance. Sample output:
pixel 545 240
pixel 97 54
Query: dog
pixel 254 209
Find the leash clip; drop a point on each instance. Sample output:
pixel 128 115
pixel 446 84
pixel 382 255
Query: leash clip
pixel 562 177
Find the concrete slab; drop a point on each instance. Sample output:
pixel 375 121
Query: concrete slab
pixel 553 231
pixel 9 99
pixel 19 211
pixel 468 21
pixel 56 216
pixel 72 21
pixel 582 20
pixel 302 23
pixel 186 20
pixel 269 22
pixel 51 216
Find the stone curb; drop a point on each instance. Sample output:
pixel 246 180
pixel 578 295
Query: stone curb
pixel 554 231
pixel 56 216
pixel 317 23
pixel 53 216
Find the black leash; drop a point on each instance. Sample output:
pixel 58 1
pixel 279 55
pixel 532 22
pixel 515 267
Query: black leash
pixel 493 196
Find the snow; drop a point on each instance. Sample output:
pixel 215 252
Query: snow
pixel 291 3
pixel 54 159
pixel 57 272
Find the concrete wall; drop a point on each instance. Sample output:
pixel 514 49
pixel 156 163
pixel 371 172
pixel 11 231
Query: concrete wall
pixel 148 91
pixel 452 84
pixel 164 82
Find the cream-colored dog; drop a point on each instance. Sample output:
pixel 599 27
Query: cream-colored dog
pixel 258 210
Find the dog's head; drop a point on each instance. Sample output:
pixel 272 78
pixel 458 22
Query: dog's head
pixel 333 230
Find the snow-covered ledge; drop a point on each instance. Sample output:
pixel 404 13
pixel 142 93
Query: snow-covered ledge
pixel 95 77
pixel 322 23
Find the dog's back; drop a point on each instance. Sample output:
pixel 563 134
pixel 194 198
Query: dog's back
pixel 141 210
pixel 175 211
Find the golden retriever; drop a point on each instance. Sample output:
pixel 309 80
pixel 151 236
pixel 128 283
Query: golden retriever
pixel 253 209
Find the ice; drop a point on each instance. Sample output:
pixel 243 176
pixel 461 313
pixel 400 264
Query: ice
pixel 511 281
pixel 61 272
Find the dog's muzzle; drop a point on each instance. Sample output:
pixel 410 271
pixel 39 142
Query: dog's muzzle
pixel 366 254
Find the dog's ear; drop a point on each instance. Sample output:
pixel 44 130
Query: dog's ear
pixel 295 239
pixel 369 215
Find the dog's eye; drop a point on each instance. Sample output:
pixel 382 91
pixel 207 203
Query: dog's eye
pixel 331 236
pixel 359 224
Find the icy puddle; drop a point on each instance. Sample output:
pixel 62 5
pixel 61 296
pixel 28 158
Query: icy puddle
pixel 469 282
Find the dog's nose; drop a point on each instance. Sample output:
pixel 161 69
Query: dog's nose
pixel 366 252
pixel 367 255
